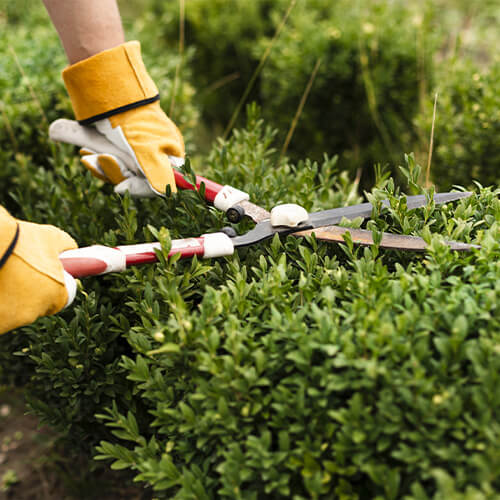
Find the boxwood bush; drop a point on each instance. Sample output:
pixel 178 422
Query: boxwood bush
pixel 310 372
pixel 372 96
pixel 292 369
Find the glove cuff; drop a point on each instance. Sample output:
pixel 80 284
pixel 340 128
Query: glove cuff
pixel 109 83
pixel 9 235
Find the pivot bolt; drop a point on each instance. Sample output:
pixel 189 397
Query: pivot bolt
pixel 235 213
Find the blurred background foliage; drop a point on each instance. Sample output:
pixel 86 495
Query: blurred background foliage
pixel 381 63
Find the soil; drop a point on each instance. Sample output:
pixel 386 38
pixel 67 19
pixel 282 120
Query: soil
pixel 33 465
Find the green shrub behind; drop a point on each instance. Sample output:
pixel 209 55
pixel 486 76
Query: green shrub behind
pixel 367 89
pixel 371 99
pixel 223 35
pixel 367 86
pixel 466 146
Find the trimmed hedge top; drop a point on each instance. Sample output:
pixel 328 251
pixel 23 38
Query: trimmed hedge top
pixel 293 369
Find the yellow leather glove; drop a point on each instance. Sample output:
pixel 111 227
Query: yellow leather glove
pixel 113 91
pixel 33 282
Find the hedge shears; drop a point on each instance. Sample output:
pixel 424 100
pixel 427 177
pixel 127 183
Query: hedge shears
pixel 288 219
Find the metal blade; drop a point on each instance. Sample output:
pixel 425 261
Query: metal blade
pixel 365 237
pixel 335 215
pixel 256 213
pixel 264 230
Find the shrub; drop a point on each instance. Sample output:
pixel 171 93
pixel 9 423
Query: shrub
pixel 367 88
pixel 299 371
pixel 467 126
pixel 222 36
pixel 291 368
pixel 370 99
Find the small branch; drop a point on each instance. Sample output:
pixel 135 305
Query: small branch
pixel 299 109
pixel 431 144
pixel 220 83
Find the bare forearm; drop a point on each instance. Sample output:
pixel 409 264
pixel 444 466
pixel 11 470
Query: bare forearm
pixel 86 27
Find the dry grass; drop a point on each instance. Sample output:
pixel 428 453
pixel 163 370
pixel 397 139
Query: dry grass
pixel 431 145
pixel 299 109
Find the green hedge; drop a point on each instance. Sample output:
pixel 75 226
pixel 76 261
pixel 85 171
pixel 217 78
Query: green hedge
pixel 291 369
pixel 306 373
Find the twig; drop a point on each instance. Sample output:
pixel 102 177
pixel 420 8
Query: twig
pixel 181 53
pixel 300 109
pixel 220 83
pixel 258 70
pixel 357 180
pixel 431 144
pixel 28 84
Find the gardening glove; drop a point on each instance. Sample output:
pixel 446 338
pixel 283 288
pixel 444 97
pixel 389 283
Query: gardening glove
pixel 113 91
pixel 33 282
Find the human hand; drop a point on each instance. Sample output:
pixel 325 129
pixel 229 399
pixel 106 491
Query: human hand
pixel 33 282
pixel 113 91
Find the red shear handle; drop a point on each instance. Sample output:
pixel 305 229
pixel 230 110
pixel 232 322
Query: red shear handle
pixel 222 197
pixel 212 189
pixel 95 260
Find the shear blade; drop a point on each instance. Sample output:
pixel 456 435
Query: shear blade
pixel 264 230
pixel 365 237
pixel 364 210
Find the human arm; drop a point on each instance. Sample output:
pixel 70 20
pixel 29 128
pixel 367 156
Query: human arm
pixel 111 89
pixel 86 27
